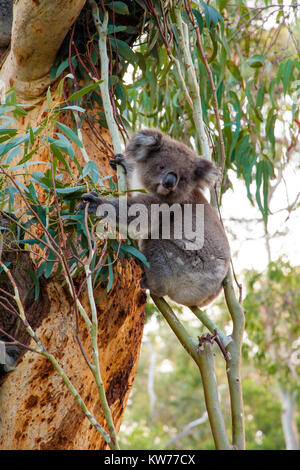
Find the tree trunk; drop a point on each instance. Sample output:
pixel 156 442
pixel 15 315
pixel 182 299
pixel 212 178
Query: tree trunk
pixel 288 418
pixel 36 409
pixel 39 27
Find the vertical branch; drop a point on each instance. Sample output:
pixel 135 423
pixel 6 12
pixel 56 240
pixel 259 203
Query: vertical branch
pixel 93 330
pixel 96 365
pixel 234 307
pixel 233 363
pixel 207 370
pixel 193 85
pixel 203 357
pixel 211 81
pixel 104 88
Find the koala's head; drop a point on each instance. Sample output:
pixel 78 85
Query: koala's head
pixel 168 168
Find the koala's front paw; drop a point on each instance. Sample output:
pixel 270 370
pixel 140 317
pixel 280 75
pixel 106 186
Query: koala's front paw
pixel 93 199
pixel 118 159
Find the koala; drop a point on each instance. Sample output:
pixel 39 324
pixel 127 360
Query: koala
pixel 172 175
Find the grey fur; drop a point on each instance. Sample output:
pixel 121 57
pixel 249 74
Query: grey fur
pixel 189 277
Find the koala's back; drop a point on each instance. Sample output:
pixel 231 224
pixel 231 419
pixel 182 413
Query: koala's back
pixel 189 277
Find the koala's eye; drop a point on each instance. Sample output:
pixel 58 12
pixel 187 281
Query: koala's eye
pixel 161 167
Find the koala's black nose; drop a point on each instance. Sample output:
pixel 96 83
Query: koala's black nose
pixel 169 180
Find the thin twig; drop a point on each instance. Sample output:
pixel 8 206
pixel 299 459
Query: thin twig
pixel 104 88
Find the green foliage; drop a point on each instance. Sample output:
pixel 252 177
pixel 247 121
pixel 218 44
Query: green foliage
pixel 56 218
pixel 254 84
pixel 248 82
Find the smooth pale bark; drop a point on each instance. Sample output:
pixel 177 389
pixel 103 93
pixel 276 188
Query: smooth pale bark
pixel 39 27
pixel 288 418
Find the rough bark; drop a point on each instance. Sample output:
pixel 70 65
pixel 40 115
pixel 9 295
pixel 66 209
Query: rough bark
pixel 36 409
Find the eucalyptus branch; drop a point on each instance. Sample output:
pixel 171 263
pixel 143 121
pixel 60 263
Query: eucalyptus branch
pixel 207 370
pixel 185 339
pixel 193 84
pixel 96 366
pixel 233 364
pixel 82 148
pixel 211 81
pixel 104 88
pixel 211 326
pixel 93 330
pixel 78 398
pixel 204 359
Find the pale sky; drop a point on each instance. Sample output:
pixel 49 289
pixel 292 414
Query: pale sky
pixel 249 250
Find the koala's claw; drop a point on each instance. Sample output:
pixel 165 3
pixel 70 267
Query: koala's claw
pixel 93 199
pixel 118 159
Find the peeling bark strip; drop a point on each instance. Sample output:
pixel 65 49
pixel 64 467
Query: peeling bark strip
pixel 39 28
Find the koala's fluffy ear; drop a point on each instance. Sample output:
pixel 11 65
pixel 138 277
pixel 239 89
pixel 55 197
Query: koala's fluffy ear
pixel 143 143
pixel 205 173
